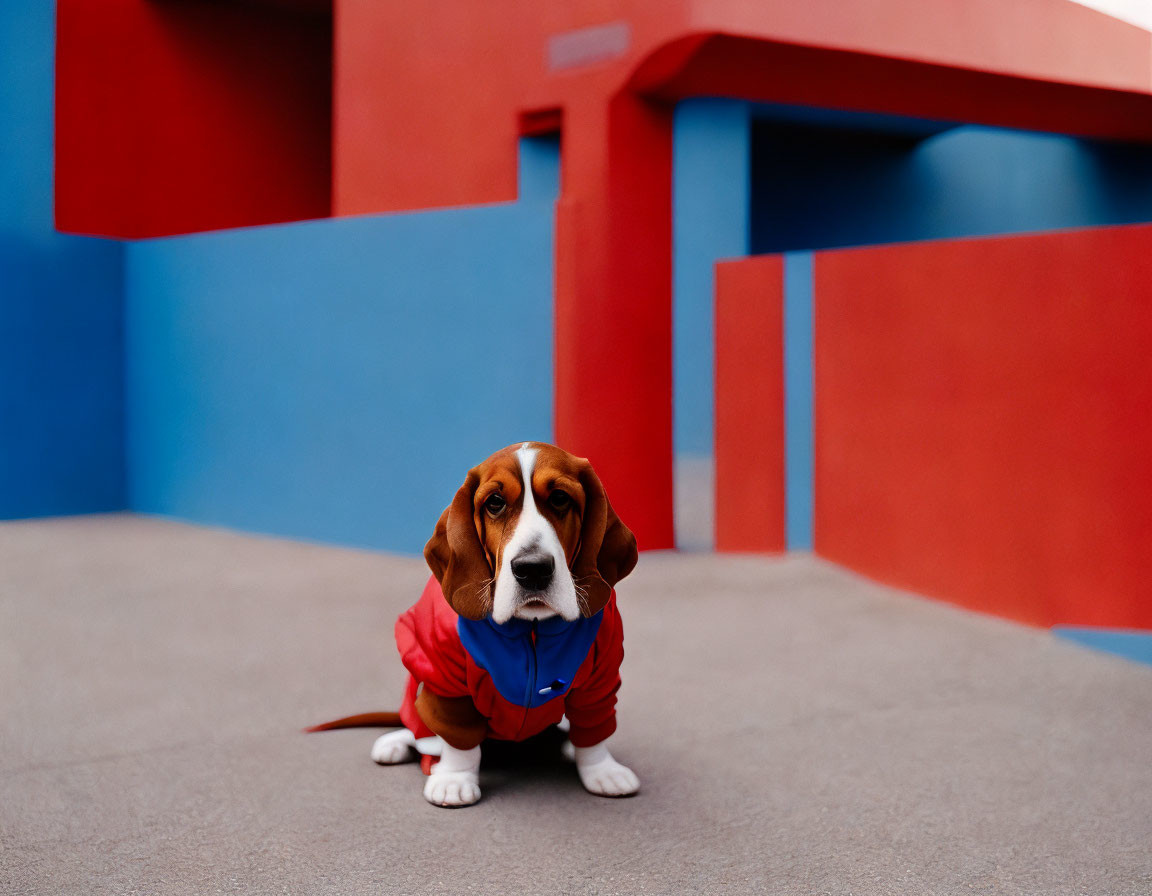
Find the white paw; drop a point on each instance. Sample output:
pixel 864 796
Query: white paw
pixel 452 788
pixel 608 778
pixel 394 747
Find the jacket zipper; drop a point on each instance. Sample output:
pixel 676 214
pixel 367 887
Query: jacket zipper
pixel 532 669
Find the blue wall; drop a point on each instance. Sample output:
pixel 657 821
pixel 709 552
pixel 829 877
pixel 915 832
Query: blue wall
pixel 61 387
pixel 710 220
pixel 335 379
pixel 1133 645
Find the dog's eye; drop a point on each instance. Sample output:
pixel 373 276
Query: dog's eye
pixel 495 505
pixel 559 500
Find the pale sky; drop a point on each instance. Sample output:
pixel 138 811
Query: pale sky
pixel 1138 12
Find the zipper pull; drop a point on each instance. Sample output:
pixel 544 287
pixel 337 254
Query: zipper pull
pixel 558 685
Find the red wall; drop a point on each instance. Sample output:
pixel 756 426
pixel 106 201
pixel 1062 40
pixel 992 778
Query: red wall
pixel 983 421
pixel 749 384
pixel 175 116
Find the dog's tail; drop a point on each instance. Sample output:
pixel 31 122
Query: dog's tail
pixel 363 720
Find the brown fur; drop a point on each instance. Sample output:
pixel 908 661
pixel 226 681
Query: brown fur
pixel 455 719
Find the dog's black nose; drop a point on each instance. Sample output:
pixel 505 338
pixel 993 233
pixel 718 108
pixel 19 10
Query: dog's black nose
pixel 533 571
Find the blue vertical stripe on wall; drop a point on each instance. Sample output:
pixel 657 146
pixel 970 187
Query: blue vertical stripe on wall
pixel 335 379
pixel 710 221
pixel 538 173
pixel 61 385
pixel 798 399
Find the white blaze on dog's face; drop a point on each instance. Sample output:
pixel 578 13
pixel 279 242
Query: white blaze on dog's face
pixel 530 534
pixel 532 578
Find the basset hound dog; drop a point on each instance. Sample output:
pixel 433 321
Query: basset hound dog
pixel 517 629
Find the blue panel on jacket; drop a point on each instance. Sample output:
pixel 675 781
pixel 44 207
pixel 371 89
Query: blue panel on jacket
pixel 521 669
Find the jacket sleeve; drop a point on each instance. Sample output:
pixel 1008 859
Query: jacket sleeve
pixel 430 646
pixel 591 708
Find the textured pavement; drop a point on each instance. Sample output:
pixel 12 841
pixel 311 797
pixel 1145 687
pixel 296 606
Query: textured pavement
pixel 796 729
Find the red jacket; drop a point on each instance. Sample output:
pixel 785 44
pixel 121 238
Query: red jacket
pixel 429 637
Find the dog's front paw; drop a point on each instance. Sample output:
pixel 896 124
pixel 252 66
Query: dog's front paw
pixel 452 789
pixel 608 778
pixel 394 747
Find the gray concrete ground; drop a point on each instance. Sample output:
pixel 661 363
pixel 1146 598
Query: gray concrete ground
pixel 796 729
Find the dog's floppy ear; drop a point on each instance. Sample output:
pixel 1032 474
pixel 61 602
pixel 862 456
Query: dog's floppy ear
pixel 457 558
pixel 607 547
